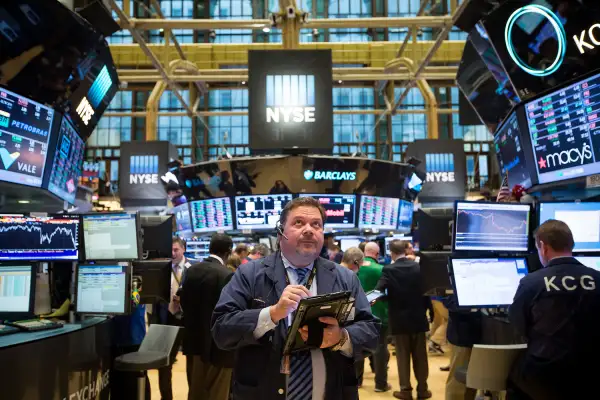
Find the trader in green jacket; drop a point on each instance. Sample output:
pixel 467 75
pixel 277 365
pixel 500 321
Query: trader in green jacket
pixel 369 275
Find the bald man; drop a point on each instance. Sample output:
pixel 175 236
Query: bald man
pixel 369 275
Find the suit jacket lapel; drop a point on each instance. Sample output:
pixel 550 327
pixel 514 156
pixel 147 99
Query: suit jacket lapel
pixel 275 270
pixel 325 276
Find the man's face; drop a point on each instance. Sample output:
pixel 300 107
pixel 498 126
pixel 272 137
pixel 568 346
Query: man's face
pixel 304 231
pixel 177 253
pixel 410 250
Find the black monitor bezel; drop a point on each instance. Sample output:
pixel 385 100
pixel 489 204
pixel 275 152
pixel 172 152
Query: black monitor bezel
pixel 453 257
pixel 156 264
pixel 126 300
pixel 20 315
pixel 85 258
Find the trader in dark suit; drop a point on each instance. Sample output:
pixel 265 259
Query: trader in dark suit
pixel 209 368
pixel 255 310
pixel 556 308
pixel 407 309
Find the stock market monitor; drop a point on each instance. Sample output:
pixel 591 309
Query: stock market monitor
pixel 198 249
pixel 339 209
pixel 582 218
pixel 25 128
pixel 68 159
pixel 491 226
pixel 182 218
pixel 486 282
pixel 378 213
pixel 211 215
pixel 15 288
pixel 102 289
pixel 565 128
pixel 590 261
pixel 111 237
pixel 259 211
pixel 511 153
pixel 405 216
pixel 39 238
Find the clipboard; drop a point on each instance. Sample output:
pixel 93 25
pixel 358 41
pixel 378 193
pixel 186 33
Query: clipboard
pixel 336 305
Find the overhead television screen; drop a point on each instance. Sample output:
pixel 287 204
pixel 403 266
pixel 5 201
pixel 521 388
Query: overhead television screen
pixel 212 215
pixel 66 167
pixel 491 226
pixel 182 218
pixel 339 208
pixel 378 213
pixel 405 216
pixel 582 218
pixel 39 238
pixel 25 128
pixel 565 131
pixel 511 153
pixel 259 211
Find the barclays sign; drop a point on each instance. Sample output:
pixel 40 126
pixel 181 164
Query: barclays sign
pixel 329 175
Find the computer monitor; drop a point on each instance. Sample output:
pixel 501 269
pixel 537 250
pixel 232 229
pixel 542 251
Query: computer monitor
pixel 434 270
pixel 486 282
pixel 339 208
pixel 387 240
pixel 154 279
pixel 183 220
pixel 103 289
pixel 39 238
pixel 111 237
pixel 17 291
pixel 491 226
pixel 434 229
pixel 378 213
pixel 347 242
pixel 211 215
pixel 158 235
pixel 582 218
pixel 513 151
pixel 590 261
pixel 259 211
pixel 198 249
pixel 405 216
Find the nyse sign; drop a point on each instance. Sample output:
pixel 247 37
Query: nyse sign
pixel 290 114
pixel 440 176
pixel 85 110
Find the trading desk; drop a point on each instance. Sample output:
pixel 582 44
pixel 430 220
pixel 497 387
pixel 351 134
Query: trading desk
pixel 70 363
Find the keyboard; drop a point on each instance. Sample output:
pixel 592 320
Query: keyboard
pixel 7 330
pixel 34 325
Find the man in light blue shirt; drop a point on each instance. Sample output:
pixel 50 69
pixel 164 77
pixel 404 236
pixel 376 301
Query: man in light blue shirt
pixel 256 309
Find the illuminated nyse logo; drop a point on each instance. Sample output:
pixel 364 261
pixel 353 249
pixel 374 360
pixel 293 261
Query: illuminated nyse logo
pixel 329 175
pixel 440 167
pixel 290 98
pixel 143 169
pixel 85 110
pixel 86 107
pixel 566 158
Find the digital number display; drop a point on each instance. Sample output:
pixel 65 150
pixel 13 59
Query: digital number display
pixel 511 154
pixel 25 127
pixel 260 212
pixel 68 159
pixel 378 212
pixel 339 208
pixel 211 215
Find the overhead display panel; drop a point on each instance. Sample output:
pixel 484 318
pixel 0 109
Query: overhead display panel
pixel 25 128
pixel 259 211
pixel 212 215
pixel 340 209
pixel 513 152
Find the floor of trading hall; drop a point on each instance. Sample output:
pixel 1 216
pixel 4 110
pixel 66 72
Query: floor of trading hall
pixel 437 379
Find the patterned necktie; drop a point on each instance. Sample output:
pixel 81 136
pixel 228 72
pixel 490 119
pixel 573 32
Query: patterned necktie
pixel 301 378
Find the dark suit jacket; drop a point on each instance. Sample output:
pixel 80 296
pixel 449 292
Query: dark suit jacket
pixel 406 304
pixel 259 284
pixel 199 295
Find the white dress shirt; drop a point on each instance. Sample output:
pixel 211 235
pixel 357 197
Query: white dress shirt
pixel 265 324
pixel 178 269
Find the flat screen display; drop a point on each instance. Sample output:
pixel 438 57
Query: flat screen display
pixel 565 131
pixel 349 241
pixel 491 226
pixel 102 289
pixel 66 167
pixel 211 215
pixel 486 282
pixel 39 238
pixel 405 216
pixel 259 211
pixel 25 128
pixel 582 218
pixel 378 212
pixel 15 288
pixel 511 154
pixel 182 218
pixel 111 237
pixel 198 249
pixel 339 208
pixel 590 261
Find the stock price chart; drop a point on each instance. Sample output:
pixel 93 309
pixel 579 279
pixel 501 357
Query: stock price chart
pixel 492 227
pixel 211 215
pixel 38 238
pixel 564 128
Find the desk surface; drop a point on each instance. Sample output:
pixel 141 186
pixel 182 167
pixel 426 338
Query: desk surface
pixel 27 337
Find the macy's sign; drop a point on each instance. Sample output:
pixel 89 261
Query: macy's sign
pixel 566 157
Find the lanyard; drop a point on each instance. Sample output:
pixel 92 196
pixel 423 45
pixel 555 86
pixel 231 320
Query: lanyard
pixel 310 280
pixel 178 280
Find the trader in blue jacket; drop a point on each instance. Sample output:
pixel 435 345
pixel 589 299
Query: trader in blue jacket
pixel 256 308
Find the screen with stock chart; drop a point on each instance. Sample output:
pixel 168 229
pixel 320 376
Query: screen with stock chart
pixel 39 238
pixel 491 226
pixel 565 131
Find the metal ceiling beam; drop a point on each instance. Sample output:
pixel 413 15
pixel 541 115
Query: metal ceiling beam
pixel 143 114
pixel 145 24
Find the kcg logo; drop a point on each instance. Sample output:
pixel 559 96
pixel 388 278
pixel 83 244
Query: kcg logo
pixel 440 167
pixel 143 169
pixel 290 98
pixel 565 158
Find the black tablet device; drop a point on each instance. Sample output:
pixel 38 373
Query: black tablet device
pixel 336 305
pixel 374 295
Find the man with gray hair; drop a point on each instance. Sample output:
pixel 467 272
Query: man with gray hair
pixel 353 259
